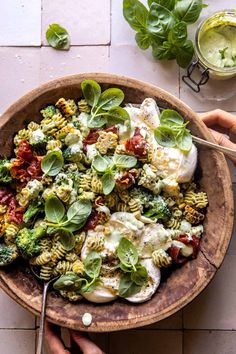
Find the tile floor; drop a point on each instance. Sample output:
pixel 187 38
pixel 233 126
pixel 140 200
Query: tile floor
pixel 102 41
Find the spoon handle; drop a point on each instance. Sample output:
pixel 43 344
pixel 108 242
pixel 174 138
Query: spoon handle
pixel 220 148
pixel 42 319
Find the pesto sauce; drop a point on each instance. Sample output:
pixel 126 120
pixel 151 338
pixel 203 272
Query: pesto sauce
pixel 218 46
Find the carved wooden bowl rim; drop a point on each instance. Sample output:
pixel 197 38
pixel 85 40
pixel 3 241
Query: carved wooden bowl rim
pixel 184 284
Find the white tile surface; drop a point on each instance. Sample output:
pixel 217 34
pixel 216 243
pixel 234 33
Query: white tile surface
pixel 215 307
pixel 20 22
pixel 131 61
pixel 77 60
pixel 121 32
pixel 19 71
pixel 17 341
pixel 15 316
pixel 87 21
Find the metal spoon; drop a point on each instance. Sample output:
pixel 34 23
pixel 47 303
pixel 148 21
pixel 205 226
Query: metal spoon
pixel 43 309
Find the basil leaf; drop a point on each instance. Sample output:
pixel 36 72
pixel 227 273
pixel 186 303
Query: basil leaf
pixel 110 98
pixel 184 53
pixel 117 115
pixel 91 91
pixel 101 164
pixel 96 122
pixel 170 117
pixel 178 34
pixel 127 253
pixel 54 210
pixel 67 239
pixel 108 183
pixel 88 288
pixel 160 20
pixel 165 136
pixel 184 141
pixel 52 163
pixel 58 37
pixel 135 14
pixel 125 269
pixel 124 161
pixel 66 282
pixel 92 264
pixel 163 51
pixel 140 276
pixel 74 227
pixel 169 4
pixel 79 212
pixel 188 10
pixel 127 287
pixel 143 40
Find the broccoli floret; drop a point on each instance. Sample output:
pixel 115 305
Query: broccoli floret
pixel 5 175
pixel 38 140
pixel 34 208
pixel 73 153
pixel 7 254
pixel 27 241
pixel 143 196
pixel 158 209
pixel 49 111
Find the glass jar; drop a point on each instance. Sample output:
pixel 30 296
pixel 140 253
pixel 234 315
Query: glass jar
pixel 207 63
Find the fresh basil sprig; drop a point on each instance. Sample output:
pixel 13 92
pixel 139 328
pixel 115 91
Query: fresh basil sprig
pixel 172 131
pixel 52 163
pixel 87 283
pixel 134 275
pixel 164 26
pixel 73 220
pixel 106 166
pixel 105 106
pixel 58 37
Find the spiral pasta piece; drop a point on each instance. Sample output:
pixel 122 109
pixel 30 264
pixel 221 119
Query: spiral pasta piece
pixel 42 259
pixel 83 106
pixel 161 258
pixel 173 224
pixel 192 215
pixel 78 267
pixel 53 125
pixel 53 144
pixel 3 209
pixel 46 272
pixel 96 243
pixel 63 267
pixel 67 107
pixel 96 184
pixel 85 181
pixel 70 295
pixel 135 206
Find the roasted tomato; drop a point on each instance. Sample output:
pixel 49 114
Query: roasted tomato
pixel 24 151
pixel 96 218
pixel 15 212
pixel 137 144
pixel 126 180
pixel 175 252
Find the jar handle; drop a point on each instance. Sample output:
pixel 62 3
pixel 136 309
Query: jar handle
pixel 190 81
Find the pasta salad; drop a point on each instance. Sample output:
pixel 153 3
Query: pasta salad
pixel 102 196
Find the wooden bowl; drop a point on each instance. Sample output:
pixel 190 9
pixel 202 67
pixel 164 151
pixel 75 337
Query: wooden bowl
pixel 183 284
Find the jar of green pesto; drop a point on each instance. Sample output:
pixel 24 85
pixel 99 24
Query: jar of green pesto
pixel 215 50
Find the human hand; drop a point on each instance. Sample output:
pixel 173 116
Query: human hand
pixel 221 123
pixel 54 344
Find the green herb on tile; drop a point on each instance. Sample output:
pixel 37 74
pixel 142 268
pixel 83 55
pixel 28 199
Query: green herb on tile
pixel 58 37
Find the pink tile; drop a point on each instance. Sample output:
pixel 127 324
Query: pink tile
pixel 15 316
pixel 131 61
pixel 20 23
pixel 146 342
pixel 78 59
pixel 215 307
pixel 87 21
pixel 19 72
pixel 209 342
pixel 17 341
